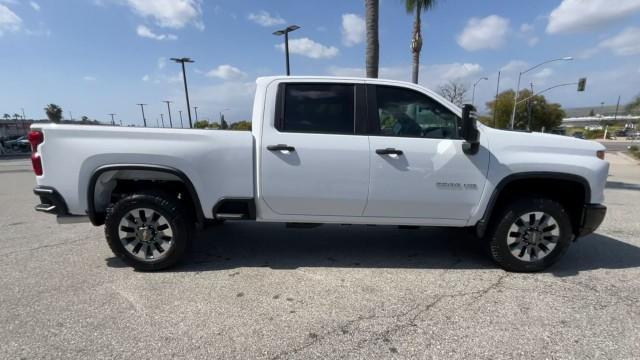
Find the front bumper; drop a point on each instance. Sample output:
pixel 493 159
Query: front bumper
pixel 592 217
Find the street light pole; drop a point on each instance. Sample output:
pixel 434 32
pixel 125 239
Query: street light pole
pixel 169 108
pixel 181 125
pixel 286 32
pixel 162 118
pixel 473 94
pixel 495 102
pixel 195 108
pixel 113 121
pixel 515 101
pixel 186 90
pixel 144 120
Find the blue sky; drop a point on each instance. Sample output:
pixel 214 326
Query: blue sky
pixel 95 57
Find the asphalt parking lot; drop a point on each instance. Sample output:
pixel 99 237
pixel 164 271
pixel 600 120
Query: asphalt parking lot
pixel 253 290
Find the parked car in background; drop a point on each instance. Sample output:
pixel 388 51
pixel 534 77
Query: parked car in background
pixel 578 135
pixel 20 143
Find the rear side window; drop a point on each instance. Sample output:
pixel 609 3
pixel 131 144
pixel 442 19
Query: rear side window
pixel 318 108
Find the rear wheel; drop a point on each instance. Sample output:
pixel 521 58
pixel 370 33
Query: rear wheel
pixel 530 235
pixel 148 231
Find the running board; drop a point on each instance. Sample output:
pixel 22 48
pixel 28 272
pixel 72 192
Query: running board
pixel 227 216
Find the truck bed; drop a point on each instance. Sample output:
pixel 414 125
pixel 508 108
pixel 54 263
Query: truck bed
pixel 219 163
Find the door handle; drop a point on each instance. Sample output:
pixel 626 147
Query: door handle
pixel 389 151
pixel 280 147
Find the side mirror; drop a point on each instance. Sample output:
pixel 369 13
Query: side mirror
pixel 469 130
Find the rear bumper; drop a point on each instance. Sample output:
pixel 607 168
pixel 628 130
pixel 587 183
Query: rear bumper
pixel 51 202
pixel 592 217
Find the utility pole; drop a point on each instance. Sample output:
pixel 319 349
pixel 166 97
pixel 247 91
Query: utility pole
pixel 71 115
pixel 24 118
pixel 181 125
pixel 144 120
pixel 169 108
pixel 530 105
pixel 615 115
pixel 195 108
pixel 162 118
pixel 113 121
pixel 184 77
pixel 157 123
pixel 495 103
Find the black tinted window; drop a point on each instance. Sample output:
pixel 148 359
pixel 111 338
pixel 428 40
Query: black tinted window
pixel 403 112
pixel 319 108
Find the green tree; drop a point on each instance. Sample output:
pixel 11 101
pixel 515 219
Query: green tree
pixel 201 124
pixel 634 106
pixel 592 113
pixel 416 7
pixel 543 114
pixel 84 119
pixel 241 125
pixel 223 123
pixel 373 45
pixel 6 116
pixel 54 113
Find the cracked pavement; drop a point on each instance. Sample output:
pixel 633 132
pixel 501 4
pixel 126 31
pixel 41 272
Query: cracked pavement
pixel 262 291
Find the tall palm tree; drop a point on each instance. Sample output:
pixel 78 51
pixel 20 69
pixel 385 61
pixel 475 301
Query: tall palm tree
pixel 417 7
pixel 373 46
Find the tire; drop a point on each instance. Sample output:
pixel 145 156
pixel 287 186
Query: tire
pixel 519 242
pixel 148 231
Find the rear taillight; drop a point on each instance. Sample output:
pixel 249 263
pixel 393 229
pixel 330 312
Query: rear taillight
pixel 36 138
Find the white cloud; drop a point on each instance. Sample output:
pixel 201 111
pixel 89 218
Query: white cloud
pixel 176 78
pixel 34 5
pixel 89 78
pixel 533 41
pixel 169 13
pixel 263 18
pixel 543 74
pixel 310 48
pixel 486 33
pixel 585 15
pixel 9 21
pixel 526 27
pixel 626 43
pixel 353 29
pixel 145 32
pixel 146 78
pixel 394 73
pixel 227 72
pixel 162 62
pixel 515 66
pixel 236 96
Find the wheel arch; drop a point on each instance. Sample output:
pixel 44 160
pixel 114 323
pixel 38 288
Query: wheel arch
pixel 509 185
pixel 97 217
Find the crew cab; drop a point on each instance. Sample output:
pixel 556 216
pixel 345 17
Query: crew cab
pixel 326 150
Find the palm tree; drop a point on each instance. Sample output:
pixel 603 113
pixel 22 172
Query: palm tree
pixel 6 116
pixel 417 7
pixel 373 46
pixel 54 113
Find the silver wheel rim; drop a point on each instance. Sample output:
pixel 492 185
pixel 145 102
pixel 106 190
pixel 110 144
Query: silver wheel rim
pixel 145 234
pixel 533 236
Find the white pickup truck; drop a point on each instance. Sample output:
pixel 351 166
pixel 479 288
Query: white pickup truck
pixel 326 150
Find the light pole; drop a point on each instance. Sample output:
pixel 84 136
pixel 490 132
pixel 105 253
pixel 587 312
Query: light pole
pixel 286 32
pixel 169 108
pixel 495 102
pixel 113 121
pixel 162 118
pixel 180 112
pixel 195 108
pixel 473 94
pixel 144 120
pixel 184 77
pixel 515 102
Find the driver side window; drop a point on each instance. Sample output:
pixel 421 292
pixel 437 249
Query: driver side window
pixel 408 113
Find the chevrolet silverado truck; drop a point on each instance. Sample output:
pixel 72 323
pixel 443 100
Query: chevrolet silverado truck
pixel 326 150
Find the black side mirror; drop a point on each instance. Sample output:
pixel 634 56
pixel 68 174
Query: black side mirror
pixel 469 130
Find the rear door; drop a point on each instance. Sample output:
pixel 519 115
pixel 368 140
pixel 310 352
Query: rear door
pixel 314 158
pixel 418 168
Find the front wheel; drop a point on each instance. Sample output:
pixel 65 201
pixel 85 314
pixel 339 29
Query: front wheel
pixel 530 235
pixel 148 231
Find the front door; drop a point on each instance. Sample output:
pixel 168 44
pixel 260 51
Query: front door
pixel 312 161
pixel 418 168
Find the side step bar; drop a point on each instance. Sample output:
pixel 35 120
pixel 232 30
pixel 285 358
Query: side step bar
pixel 227 216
